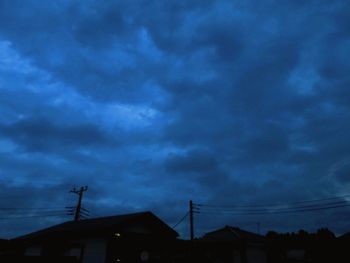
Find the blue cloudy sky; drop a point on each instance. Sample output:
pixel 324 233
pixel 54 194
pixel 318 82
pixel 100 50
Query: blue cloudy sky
pixel 154 103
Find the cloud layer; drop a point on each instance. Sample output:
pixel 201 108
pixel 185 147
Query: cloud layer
pixel 154 103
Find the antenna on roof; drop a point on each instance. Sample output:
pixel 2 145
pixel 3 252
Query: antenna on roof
pixel 80 192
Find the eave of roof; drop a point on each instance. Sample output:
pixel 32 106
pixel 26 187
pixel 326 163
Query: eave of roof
pixel 98 226
pixel 234 234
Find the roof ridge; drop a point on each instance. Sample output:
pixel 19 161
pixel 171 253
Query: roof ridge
pixel 98 223
pixel 111 216
pixel 234 231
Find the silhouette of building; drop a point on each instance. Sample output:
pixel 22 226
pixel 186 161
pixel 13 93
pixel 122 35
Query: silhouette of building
pixel 138 237
pixel 343 247
pixel 3 246
pixel 321 246
pixel 231 244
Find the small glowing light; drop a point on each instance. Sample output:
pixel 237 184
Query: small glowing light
pixel 118 260
pixel 117 234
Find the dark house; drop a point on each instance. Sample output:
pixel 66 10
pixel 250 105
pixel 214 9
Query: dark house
pixel 231 244
pixel 303 247
pixel 343 247
pixel 139 237
pixel 4 243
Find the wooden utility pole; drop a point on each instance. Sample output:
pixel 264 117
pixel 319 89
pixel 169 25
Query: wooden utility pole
pixel 78 207
pixel 191 221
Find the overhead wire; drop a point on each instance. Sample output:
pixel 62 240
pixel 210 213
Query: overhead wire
pixel 35 212
pixel 24 213
pixel 275 204
pixel 33 216
pixel 31 208
pixel 281 208
pixel 273 211
pixel 181 220
pixel 294 207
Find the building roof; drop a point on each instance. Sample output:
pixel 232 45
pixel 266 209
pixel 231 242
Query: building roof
pixel 103 226
pixel 229 233
pixel 344 237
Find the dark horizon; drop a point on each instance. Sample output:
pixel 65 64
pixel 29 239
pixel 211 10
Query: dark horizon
pixel 81 216
pixel 155 103
pixel 199 213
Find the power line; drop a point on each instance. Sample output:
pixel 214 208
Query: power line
pixel 292 207
pixel 92 214
pixel 33 210
pixel 30 208
pixel 275 204
pixel 30 212
pixel 181 220
pixel 267 212
pixel 264 209
pixel 33 216
pixel 78 211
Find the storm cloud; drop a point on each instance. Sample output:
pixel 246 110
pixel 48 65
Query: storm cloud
pixel 154 103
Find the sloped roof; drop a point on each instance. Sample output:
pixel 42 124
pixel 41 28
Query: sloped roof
pixel 102 225
pixel 345 236
pixel 229 233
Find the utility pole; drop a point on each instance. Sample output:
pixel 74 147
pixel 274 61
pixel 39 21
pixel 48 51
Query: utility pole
pixel 191 221
pixel 80 194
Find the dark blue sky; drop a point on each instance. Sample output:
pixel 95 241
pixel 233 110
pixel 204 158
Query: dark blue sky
pixel 154 103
